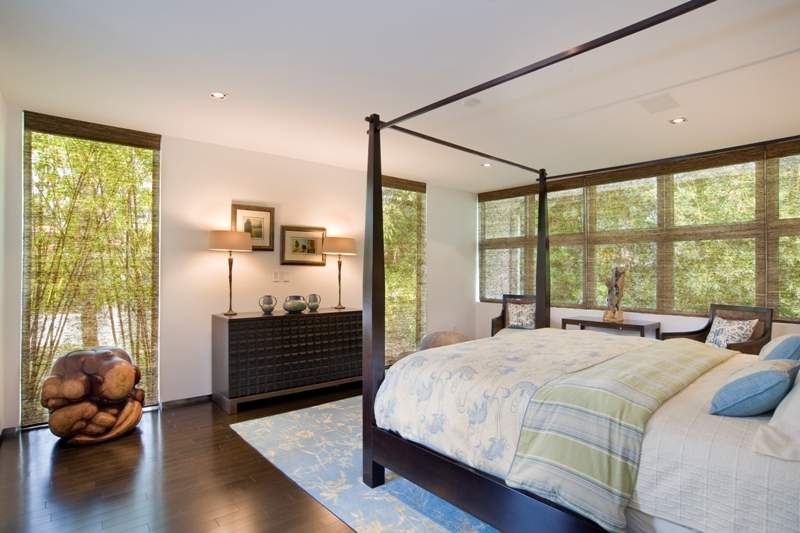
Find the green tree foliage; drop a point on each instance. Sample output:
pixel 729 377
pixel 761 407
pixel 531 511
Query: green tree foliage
pixel 720 195
pixel 502 271
pixel 404 256
pixel 564 211
pixel 566 275
pixel 789 187
pixel 789 276
pixel 91 257
pixel 505 218
pixel 627 205
pixel 699 280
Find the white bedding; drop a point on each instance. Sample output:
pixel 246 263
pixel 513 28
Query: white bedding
pixel 698 470
pixel 467 401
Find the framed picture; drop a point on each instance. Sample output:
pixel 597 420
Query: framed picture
pixel 302 245
pixel 258 221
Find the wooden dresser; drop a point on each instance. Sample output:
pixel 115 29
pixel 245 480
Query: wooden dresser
pixel 258 356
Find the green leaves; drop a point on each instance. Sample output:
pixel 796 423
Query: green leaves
pixel 404 256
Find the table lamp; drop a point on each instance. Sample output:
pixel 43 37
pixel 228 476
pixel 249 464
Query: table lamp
pixel 230 241
pixel 339 246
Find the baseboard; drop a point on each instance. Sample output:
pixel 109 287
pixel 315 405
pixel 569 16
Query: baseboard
pixel 183 402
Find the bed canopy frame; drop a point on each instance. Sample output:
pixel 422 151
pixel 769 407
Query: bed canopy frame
pixel 485 496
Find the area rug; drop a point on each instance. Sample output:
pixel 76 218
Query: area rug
pixel 320 449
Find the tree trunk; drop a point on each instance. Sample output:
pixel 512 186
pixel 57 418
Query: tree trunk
pixel 89 322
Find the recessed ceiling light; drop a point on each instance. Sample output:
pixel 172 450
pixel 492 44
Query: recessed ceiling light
pixel 486 165
pixel 218 95
pixel 678 120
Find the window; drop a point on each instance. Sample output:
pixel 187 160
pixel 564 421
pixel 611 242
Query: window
pixel 721 195
pixel 565 211
pixel 507 251
pixel 789 187
pixel 626 205
pixel 566 274
pixel 718 270
pixel 784 236
pixel 719 228
pixel 788 278
pixel 90 248
pixel 404 255
pixel 640 279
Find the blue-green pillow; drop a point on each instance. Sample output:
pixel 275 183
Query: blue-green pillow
pixel 783 347
pixel 756 389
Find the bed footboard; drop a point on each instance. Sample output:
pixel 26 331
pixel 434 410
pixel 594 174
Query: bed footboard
pixel 482 495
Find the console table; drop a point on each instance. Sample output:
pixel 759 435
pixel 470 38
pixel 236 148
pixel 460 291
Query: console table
pixel 633 325
pixel 257 356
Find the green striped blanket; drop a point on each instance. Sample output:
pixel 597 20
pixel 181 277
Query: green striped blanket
pixel 582 434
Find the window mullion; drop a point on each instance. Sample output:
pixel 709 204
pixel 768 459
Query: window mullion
pixel 665 286
pixel 529 252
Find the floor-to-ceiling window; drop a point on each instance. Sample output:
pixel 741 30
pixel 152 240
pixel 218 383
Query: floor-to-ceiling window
pixel 404 252
pixel 711 228
pixel 90 248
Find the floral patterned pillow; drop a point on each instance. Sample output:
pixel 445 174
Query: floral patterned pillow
pixel 724 332
pixel 520 316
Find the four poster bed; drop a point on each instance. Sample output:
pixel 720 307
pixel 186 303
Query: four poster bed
pixel 404 411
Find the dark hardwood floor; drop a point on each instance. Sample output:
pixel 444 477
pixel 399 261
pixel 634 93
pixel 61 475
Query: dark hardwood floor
pixel 182 470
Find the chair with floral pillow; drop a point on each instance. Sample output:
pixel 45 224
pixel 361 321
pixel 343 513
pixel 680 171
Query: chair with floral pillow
pixel 503 321
pixel 761 335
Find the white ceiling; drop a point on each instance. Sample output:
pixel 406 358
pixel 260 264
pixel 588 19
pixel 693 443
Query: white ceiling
pixel 302 75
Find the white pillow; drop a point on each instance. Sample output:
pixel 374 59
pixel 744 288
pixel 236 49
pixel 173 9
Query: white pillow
pixel 781 436
pixel 724 332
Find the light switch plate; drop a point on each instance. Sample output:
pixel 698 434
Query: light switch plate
pixel 276 276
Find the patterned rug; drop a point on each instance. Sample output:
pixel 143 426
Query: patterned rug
pixel 320 449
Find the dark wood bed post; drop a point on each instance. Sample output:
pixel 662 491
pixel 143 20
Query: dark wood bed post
pixel 542 257
pixel 374 304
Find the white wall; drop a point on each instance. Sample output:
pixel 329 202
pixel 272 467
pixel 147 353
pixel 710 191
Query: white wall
pixel 11 265
pixel 486 311
pixel 3 126
pixel 450 262
pixel 198 183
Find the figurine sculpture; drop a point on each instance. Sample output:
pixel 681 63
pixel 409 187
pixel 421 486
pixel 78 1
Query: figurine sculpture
pixel 616 287
pixel 92 395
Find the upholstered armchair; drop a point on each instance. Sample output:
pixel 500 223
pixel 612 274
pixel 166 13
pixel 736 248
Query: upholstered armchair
pixel 499 322
pixel 761 334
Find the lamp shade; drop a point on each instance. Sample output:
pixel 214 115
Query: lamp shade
pixel 339 246
pixel 230 241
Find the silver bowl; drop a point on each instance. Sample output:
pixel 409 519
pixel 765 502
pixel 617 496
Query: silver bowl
pixel 294 304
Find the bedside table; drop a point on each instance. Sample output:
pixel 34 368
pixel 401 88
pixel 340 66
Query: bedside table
pixel 642 326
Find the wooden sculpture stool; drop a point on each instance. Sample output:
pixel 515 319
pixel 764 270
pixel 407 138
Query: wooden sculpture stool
pixel 92 395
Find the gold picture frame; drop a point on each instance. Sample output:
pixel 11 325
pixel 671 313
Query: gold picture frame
pixel 258 221
pixel 302 245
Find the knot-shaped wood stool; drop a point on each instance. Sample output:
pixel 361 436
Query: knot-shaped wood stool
pixel 92 396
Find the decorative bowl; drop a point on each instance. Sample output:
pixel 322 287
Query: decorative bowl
pixel 313 302
pixel 294 304
pixel 267 303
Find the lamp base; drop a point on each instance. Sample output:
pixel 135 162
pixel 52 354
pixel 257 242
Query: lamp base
pixel 340 306
pixel 230 313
